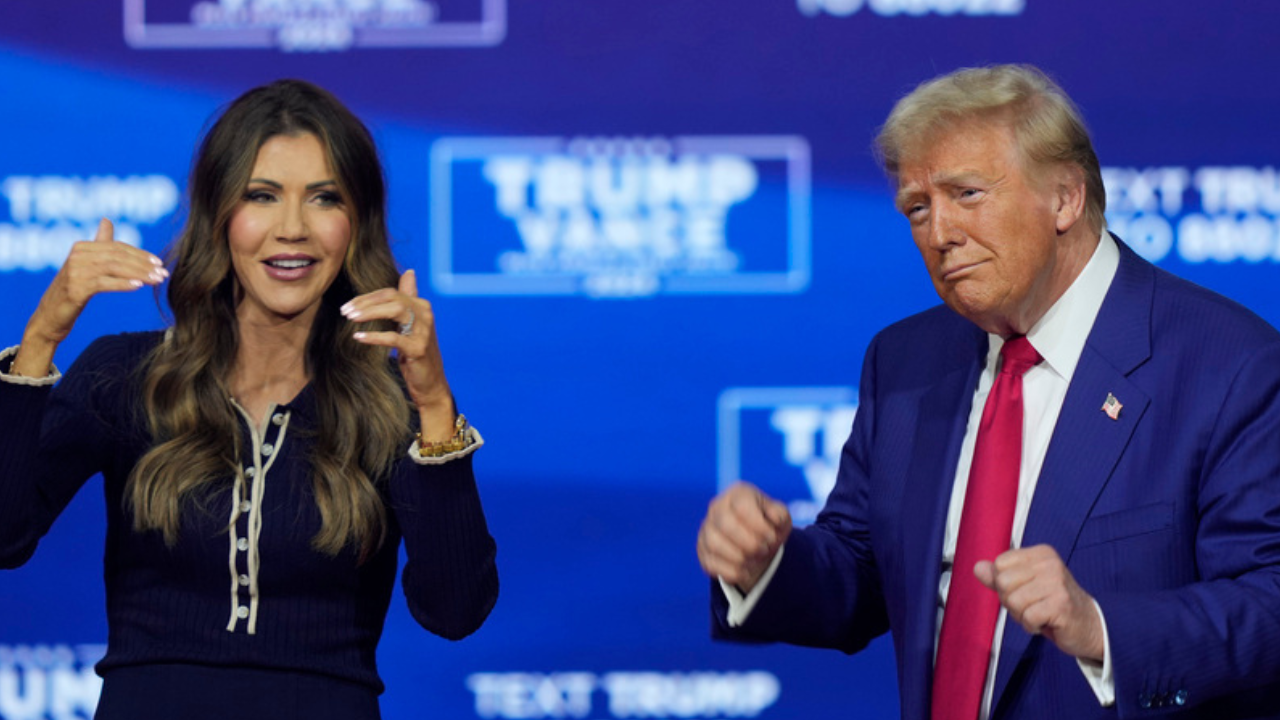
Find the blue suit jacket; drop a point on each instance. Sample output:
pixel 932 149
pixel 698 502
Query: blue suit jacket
pixel 1169 515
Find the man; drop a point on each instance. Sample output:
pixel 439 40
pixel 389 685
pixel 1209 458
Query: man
pixel 1092 442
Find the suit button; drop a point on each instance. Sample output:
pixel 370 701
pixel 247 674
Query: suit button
pixel 1144 700
pixel 1181 697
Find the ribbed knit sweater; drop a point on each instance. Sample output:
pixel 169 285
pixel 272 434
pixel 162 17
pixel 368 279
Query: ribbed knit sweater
pixel 242 587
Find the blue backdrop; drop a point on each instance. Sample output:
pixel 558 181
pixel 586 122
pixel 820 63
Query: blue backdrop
pixel 657 244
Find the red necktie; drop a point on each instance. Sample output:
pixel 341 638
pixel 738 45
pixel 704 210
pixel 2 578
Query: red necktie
pixel 986 524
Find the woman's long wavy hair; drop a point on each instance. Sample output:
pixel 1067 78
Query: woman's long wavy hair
pixel 363 418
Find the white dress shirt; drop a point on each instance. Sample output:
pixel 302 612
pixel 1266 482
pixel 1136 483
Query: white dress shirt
pixel 1059 337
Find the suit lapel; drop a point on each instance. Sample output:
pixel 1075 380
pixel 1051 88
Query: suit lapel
pixel 943 416
pixel 1087 444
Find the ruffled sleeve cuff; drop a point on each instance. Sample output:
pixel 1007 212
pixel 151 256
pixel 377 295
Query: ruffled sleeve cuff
pixel 472 435
pixel 6 361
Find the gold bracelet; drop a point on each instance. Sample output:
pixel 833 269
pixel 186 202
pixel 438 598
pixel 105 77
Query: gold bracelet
pixel 461 440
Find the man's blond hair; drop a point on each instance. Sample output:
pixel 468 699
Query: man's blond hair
pixel 1047 124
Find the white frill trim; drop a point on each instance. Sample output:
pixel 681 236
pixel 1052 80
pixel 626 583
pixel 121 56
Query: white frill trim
pixel 7 355
pixel 472 434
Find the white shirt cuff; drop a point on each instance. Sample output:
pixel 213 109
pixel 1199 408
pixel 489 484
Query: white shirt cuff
pixel 472 434
pixel 7 355
pixel 740 607
pixel 1099 676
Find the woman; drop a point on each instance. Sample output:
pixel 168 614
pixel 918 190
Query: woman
pixel 259 457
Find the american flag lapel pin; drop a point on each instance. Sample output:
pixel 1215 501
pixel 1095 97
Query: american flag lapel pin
pixel 1112 407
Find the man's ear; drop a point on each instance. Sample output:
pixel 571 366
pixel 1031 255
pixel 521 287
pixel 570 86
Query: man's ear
pixel 1069 197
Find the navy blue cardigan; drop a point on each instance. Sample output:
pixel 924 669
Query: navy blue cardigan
pixel 242 587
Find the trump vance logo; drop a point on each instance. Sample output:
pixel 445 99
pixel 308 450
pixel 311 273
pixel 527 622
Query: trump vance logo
pixel 620 217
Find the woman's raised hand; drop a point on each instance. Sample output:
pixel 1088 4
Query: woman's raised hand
pixel 416 346
pixel 92 267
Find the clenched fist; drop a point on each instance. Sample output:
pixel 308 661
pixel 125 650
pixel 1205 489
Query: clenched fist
pixel 740 535
pixel 1043 597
